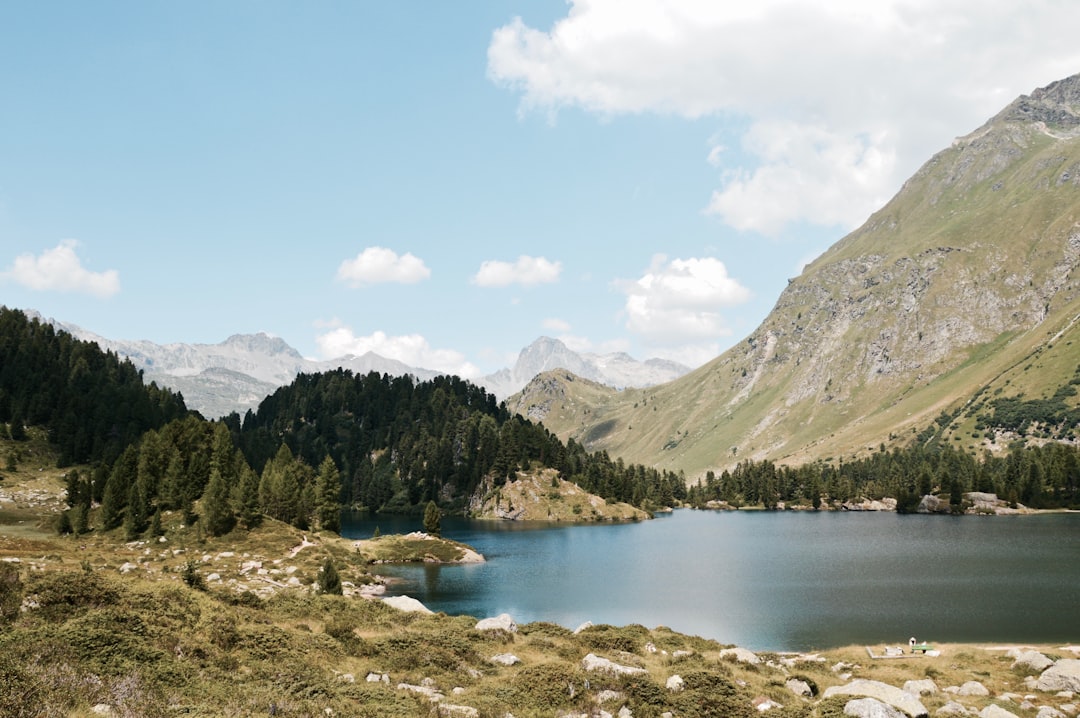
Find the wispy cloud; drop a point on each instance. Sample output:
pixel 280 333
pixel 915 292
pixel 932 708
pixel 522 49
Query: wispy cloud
pixel 526 271
pixel 377 265
pixel 841 101
pixel 61 270
pixel 411 349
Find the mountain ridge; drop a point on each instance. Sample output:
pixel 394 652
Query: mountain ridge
pixel 239 372
pixel 945 293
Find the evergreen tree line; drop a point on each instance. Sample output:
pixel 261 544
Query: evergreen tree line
pixel 400 443
pixel 193 460
pixel 93 403
pixel 1039 477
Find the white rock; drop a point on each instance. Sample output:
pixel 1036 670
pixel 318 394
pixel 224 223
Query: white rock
pixel 347 678
pixel 870 708
pixel 214 577
pixel 993 711
pixel 952 708
pixel 609 696
pixel 973 688
pixel 128 567
pixel 505 659
pixel 582 627
pixel 1031 662
pixel 925 687
pixel 406 604
pixel 447 710
pixel 592 662
pixel 458 691
pixel 799 687
pixel 102 709
pixel 378 678
pixel 675 683
pixel 502 622
pixel 625 712
pixel 741 655
pixel 1062 676
pixel 883 692
pixel 1048 712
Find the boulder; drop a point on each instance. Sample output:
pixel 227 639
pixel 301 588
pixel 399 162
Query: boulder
pixel 1048 712
pixel 925 687
pixel 406 604
pixel 1031 662
pixel 502 622
pixel 799 687
pixel 883 692
pixel 973 688
pixel 763 703
pixel 582 627
pixel 952 708
pixel 741 655
pixel 128 567
pixel 870 708
pixel 505 659
pixel 592 662
pixel 1062 676
pixel 447 710
pixel 675 683
pixel 993 711
pixel 610 696
pixel 931 504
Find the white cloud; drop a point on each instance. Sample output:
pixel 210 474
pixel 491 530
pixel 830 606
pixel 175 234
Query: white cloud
pixel 59 269
pixel 377 265
pixel 679 301
pixel 526 271
pixel 805 172
pixel 556 325
pixel 411 349
pixel 868 90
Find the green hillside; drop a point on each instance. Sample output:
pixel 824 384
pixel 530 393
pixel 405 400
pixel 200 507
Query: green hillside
pixel 962 288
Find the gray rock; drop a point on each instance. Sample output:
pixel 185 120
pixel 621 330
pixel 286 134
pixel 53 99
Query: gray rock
pixel 799 688
pixel 1031 662
pixel 592 662
pixel 675 683
pixel 925 687
pixel 378 678
pixel 505 659
pixel 952 708
pixel 446 710
pixel 993 711
pixel 1048 712
pixel 870 708
pixel 883 692
pixel 973 688
pixel 1062 676
pixel 609 696
pixel 582 627
pixel 502 622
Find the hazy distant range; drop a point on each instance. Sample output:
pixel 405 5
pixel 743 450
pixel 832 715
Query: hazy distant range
pixel 238 373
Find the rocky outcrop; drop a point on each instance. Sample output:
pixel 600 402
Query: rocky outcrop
pixel 741 655
pixel 1062 676
pixel 592 662
pixel 883 692
pixel 923 687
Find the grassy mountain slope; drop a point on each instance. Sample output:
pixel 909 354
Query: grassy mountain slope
pixel 965 284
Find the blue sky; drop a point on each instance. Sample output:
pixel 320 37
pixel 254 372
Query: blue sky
pixel 442 183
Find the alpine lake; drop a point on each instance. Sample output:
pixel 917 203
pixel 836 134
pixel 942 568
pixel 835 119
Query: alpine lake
pixel 767 581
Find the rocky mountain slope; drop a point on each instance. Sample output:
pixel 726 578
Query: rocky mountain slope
pixel 238 373
pixel 963 287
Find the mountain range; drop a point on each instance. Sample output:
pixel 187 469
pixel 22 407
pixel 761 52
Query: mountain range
pixel 959 294
pixel 238 373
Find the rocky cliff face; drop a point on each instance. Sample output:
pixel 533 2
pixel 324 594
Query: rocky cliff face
pixel 961 278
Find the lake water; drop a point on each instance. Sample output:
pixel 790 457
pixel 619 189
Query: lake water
pixel 767 580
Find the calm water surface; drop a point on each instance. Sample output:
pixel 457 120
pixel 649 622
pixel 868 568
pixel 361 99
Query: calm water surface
pixel 768 581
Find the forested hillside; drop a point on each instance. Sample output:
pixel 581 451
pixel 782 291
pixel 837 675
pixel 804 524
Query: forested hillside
pixel 93 403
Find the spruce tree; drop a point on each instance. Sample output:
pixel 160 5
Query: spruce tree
pixel 327 490
pixel 329 580
pixel 432 519
pixel 248 503
pixel 216 512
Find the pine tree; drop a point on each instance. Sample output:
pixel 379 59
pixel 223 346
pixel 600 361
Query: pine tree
pixel 432 519
pixel 135 513
pixel 329 580
pixel 327 490
pixel 216 512
pixel 248 502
